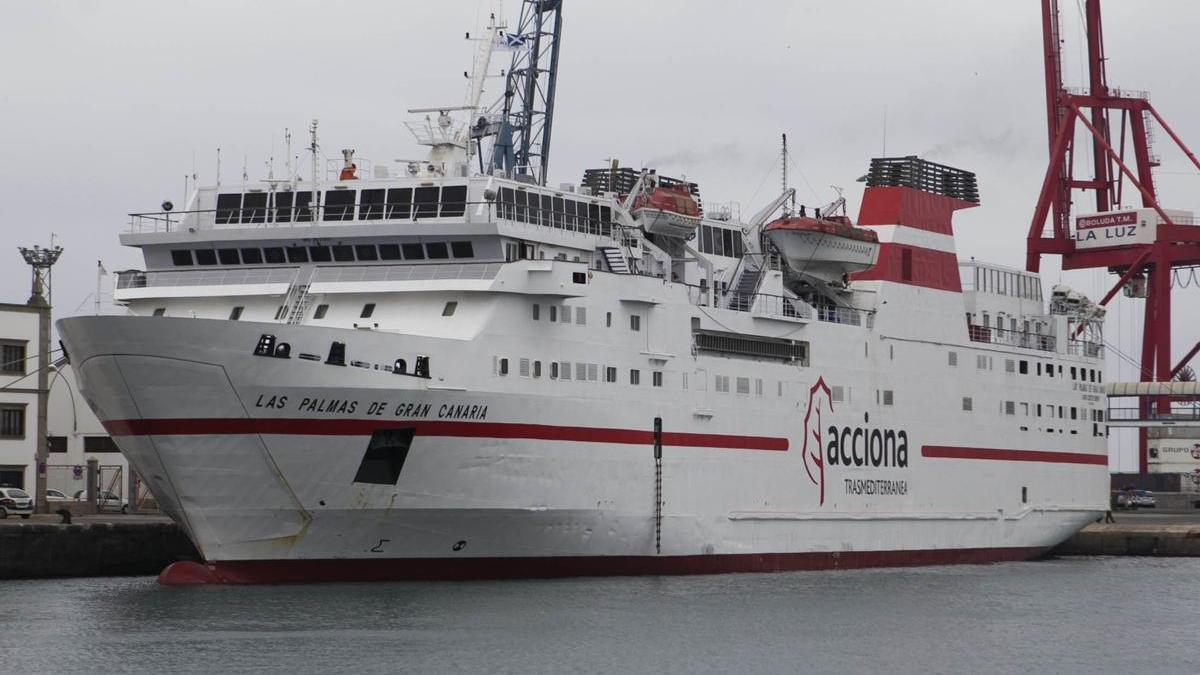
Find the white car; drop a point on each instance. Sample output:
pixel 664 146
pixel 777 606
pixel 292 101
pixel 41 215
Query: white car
pixel 15 501
pixel 53 495
pixel 105 501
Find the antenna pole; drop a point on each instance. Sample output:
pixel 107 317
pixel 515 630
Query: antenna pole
pixel 312 204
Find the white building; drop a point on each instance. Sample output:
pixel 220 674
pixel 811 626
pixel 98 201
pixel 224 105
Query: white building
pixel 75 435
pixel 18 395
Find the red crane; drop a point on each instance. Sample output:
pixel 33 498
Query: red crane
pixel 1146 260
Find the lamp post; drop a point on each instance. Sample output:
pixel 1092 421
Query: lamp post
pixel 41 260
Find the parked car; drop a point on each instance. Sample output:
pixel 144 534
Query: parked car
pixel 53 495
pixel 105 501
pixel 1123 499
pixel 1143 499
pixel 15 501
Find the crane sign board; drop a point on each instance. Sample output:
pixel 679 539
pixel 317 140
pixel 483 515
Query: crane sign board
pixel 1174 455
pixel 1122 228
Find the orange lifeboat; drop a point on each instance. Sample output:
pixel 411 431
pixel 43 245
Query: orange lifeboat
pixel 667 210
pixel 825 248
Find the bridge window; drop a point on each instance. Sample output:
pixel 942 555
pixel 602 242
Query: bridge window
pixel 251 256
pixel 437 250
pixel 339 204
pixel 366 252
pixel 283 207
pixel 370 204
pixel 254 207
pixel 425 201
pixel 454 201
pixel 389 251
pixel 399 203
pixel 181 257
pixel 228 206
pixel 228 256
pixel 413 251
pixel 304 206
pixel 462 249
pixel 206 256
pixel 343 253
pixel 273 255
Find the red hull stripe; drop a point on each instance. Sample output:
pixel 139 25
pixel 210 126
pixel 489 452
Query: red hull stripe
pixel 1053 457
pixel 344 427
pixel 391 569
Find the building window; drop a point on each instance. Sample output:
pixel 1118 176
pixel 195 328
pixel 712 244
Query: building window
pixel 503 366
pixel 953 358
pixel 12 421
pixel 635 376
pixel 722 384
pixel 56 443
pixel 743 385
pixel 656 378
pixel 537 311
pixel 1023 367
pixel 566 314
pixel 888 397
pixel 367 310
pixel 1010 407
pixel 564 370
pixel 554 370
pixel 608 319
pixel 981 362
pixel 635 322
pixel 236 313
pixel 448 310
pixel 610 374
pixel 537 369
pixel 553 313
pixel 967 403
pixel 12 358
pixel 581 316
pixel 1010 366
pixel 320 313
pixel 99 444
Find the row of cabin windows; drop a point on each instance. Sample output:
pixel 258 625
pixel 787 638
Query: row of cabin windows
pixel 278 255
pixel 554 211
pixel 368 310
pixel 1038 410
pixel 983 362
pixel 342 205
pixel 563 314
pixel 584 372
pixel 720 241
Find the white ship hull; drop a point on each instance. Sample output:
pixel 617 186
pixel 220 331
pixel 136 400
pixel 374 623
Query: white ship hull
pixel 256 457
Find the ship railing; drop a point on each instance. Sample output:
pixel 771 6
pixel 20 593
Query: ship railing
pixel 219 277
pixel 1092 350
pixel 847 315
pixel 1011 338
pixel 761 304
pixel 599 224
pixel 470 271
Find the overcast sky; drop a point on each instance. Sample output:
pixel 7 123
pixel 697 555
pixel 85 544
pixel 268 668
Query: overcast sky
pixel 107 106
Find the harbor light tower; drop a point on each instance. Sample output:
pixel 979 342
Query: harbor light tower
pixel 41 262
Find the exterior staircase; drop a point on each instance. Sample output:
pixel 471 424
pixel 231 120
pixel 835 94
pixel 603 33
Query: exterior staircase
pixel 299 306
pixel 741 296
pixel 616 259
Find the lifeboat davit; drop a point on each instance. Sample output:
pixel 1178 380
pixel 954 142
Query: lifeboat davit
pixel 667 210
pixel 825 248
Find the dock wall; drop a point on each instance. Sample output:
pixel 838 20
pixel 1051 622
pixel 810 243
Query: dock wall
pixel 133 547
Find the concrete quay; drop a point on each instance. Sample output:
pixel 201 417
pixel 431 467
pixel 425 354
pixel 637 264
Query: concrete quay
pixel 105 545
pixel 1146 534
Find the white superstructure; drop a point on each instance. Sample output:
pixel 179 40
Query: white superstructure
pixel 447 375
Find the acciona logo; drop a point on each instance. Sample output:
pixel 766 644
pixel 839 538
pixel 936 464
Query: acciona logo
pixel 835 445
pixel 819 401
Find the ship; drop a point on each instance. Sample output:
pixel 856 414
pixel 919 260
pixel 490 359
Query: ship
pixel 453 369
